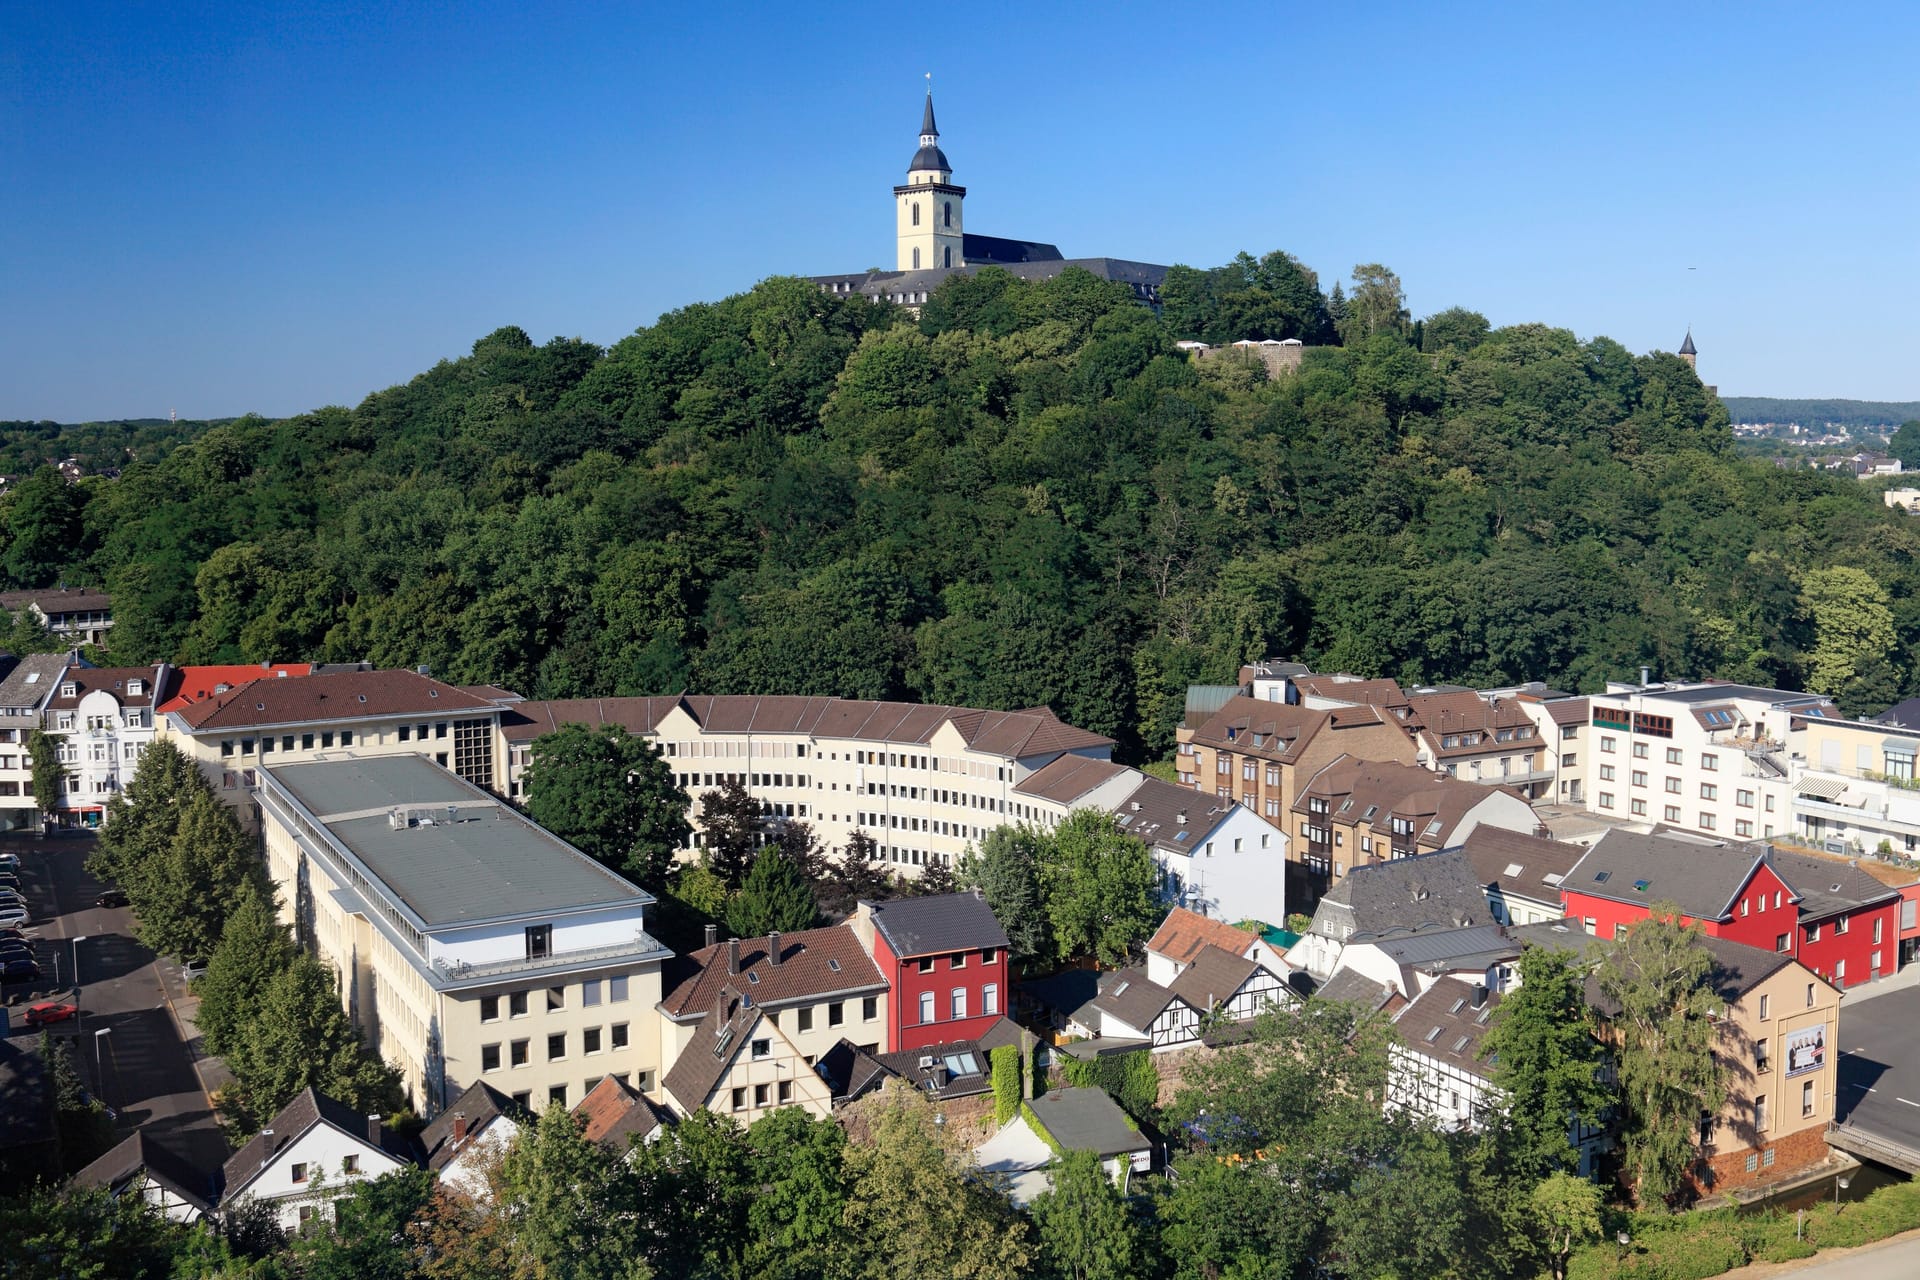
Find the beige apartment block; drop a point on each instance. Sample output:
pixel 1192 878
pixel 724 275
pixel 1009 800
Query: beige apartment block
pixel 469 943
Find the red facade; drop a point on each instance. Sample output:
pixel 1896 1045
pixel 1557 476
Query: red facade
pixel 1847 949
pixel 951 985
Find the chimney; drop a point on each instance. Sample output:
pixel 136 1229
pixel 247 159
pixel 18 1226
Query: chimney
pixel 1479 995
pixel 1182 819
pixel 459 1126
pixel 374 1129
pixel 773 948
pixel 861 922
pixel 1646 676
pixel 713 935
pixel 733 955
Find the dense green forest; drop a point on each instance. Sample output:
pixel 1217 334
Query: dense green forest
pixel 1025 495
pixel 1875 416
pixel 27 446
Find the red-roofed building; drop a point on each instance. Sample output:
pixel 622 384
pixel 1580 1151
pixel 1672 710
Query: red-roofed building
pixel 197 684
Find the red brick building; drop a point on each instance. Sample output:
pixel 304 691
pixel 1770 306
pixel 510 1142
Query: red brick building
pixel 1834 918
pixel 945 962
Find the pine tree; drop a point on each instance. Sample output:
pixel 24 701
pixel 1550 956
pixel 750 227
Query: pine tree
pixel 775 896
pixel 300 1036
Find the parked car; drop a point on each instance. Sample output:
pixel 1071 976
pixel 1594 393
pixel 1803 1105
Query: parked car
pixel 194 969
pixel 9 862
pixel 12 916
pixel 19 969
pixel 41 1015
pixel 111 898
pixel 15 935
pixel 9 882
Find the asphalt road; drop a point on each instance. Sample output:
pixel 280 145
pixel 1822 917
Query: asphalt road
pixel 1897 1261
pixel 1880 1068
pixel 140 1066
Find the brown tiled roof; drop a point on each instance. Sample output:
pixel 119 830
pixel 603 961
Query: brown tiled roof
pixel 1566 711
pixel 1274 730
pixel 1542 864
pixel 347 695
pixel 113 680
pixel 1392 790
pixel 720 1038
pixel 1184 933
pixel 814 964
pixel 1444 1023
pixel 1441 714
pixel 1371 693
pixel 851 1071
pixel 1067 778
pixel 1213 977
pixel 54 600
pixel 1153 811
pixel 614 1115
pixel 1013 734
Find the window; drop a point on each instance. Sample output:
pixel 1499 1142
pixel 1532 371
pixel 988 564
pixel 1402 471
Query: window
pixel 1807 1100
pixel 1639 751
pixel 836 1014
pixel 489 1008
pixel 946 213
pixel 518 1053
pixel 958 960
pixel 556 1046
pixel 1639 808
pixel 517 1004
pixel 1709 761
pixel 1671 813
pixel 350 1165
pixel 916 267
pixel 1760 1111
pixel 1639 777
pixel 590 1040
pixel 617 989
pixel 760 1093
pixel 1743 798
pixel 556 998
pixel 1606 743
pixel 958 1003
pixel 1809 995
pixel 590 993
pixel 1763 1007
pixel 1707 821
pixel 760 1049
pixel 925 964
pixel 539 941
pixel 1620 933
pixel 1840 925
pixel 1673 755
pixel 740 1093
pixel 1606 799
pixel 489 1057
pixel 1606 773
pixel 557 1093
pixel 619 1030
pixel 1708 791
pixel 1761 1063
pixel 300 1172
pixel 990 998
pixel 1673 786
pixel 805 1018
pixel 1592 926
pixel 1813 933
pixel 869 1008
pixel 1742 828
pixel 1876 931
pixel 1783 943
pixel 915 206
pixel 786 1092
pixel 926 1007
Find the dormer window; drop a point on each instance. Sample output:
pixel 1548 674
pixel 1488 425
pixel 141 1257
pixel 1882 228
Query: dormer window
pixel 135 688
pixel 69 690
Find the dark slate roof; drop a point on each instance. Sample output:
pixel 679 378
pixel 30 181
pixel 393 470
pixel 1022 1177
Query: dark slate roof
pixel 1350 986
pixel 34 680
pixel 1702 878
pixel 144 1154
pixel 1130 996
pixel 1434 891
pixel 999 252
pixel 927 126
pixel 1686 343
pixel 1826 887
pixel 308 1108
pixel 1174 818
pixel 1068 992
pixel 1739 968
pixel 57 600
pixel 1447 1022
pixel 941 923
pixel 1901 715
pixel 1475 947
pixel 1087 1120
pixel 939 1081
pixel 930 157
pixel 1522 864
pixel 480 1105
pixel 850 1071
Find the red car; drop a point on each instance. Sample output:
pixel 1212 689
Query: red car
pixel 40 1015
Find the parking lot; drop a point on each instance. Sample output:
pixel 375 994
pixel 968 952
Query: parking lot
pixel 127 1036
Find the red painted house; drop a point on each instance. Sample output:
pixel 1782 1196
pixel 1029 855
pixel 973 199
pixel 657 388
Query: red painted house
pixel 1833 917
pixel 945 962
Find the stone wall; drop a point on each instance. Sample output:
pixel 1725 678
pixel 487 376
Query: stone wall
pixel 1278 359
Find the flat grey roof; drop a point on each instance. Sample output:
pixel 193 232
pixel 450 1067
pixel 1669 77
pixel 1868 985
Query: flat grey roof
pixel 488 863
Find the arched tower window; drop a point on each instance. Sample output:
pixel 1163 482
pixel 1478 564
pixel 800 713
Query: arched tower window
pixel 916 259
pixel 916 213
pixel 949 261
pixel 948 207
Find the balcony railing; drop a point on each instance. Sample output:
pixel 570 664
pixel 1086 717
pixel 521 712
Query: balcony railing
pixel 460 971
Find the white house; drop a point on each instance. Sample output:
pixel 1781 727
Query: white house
pixel 1216 856
pixel 102 718
pixel 471 1135
pixel 309 1157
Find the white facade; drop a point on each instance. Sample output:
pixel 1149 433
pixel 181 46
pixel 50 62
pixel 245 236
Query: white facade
pixel 100 741
pixel 304 1178
pixel 1704 758
pixel 1235 870
pixel 467 1171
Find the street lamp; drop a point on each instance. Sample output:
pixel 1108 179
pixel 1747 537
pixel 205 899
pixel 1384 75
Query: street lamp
pixel 1624 1240
pixel 1840 1184
pixel 99 1072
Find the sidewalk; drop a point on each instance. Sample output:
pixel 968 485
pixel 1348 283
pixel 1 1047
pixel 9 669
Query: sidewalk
pixel 1907 978
pixel 184 1005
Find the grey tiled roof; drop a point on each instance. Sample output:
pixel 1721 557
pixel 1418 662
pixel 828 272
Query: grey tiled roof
pixel 1701 878
pixel 937 924
pixel 1406 895
pixel 1474 947
pixel 1517 863
pixel 479 1106
pixel 1350 986
pixel 1088 1120
pixel 144 1154
pixel 1445 1023
pixel 34 680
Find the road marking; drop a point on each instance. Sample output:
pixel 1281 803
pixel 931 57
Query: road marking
pixel 1909 1101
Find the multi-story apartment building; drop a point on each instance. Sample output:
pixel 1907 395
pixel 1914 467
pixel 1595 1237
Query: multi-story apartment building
pixel 923 782
pixel 103 719
pixel 1479 738
pixel 278 719
pixel 75 614
pixel 1855 788
pixel 1709 758
pixel 24 695
pixel 1840 922
pixel 1260 753
pixel 945 962
pixel 470 944
pixel 1354 812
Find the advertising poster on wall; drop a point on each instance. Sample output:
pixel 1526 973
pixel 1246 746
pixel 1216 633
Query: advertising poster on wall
pixel 1807 1050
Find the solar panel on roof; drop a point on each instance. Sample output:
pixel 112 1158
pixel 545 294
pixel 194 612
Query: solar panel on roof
pixel 1600 877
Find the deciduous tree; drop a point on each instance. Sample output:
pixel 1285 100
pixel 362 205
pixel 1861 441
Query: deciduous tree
pixel 775 896
pixel 613 795
pixel 1006 870
pixel 1082 1230
pixel 1101 886
pixel 1546 1062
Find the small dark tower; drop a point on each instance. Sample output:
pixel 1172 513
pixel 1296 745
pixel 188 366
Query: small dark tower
pixel 1687 352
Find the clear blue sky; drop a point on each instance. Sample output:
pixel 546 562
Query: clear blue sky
pixel 274 206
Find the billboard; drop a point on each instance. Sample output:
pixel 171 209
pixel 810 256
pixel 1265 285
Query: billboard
pixel 1806 1050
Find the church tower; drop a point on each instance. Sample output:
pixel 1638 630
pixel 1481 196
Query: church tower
pixel 1687 352
pixel 927 207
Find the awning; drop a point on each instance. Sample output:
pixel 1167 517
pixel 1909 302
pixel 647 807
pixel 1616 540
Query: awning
pixel 1821 788
pixel 1900 747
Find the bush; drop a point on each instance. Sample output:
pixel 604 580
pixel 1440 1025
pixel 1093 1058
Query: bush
pixel 1006 1082
pixel 1131 1078
pixel 1886 1212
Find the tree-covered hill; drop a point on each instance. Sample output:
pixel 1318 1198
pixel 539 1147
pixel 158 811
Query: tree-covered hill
pixel 25 446
pixel 1027 495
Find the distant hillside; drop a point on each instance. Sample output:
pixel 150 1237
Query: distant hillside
pixel 1869 415
pixel 98 445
